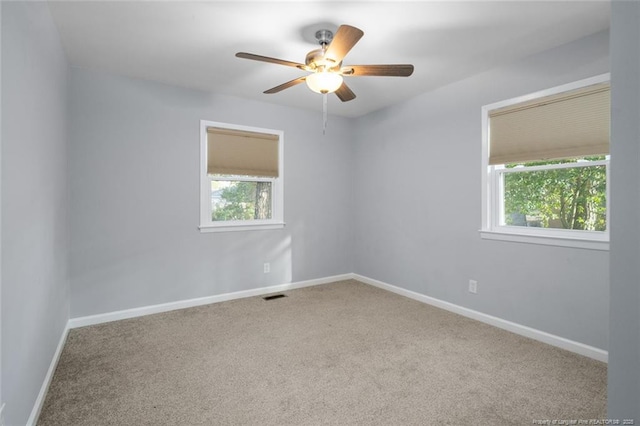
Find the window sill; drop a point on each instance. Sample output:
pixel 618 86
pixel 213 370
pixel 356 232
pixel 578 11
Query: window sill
pixel 242 227
pixel 548 240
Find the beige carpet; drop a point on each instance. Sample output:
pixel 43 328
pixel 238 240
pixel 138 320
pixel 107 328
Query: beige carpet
pixel 337 354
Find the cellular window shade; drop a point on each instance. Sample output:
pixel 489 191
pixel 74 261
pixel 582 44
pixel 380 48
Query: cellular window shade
pixel 236 152
pixel 566 125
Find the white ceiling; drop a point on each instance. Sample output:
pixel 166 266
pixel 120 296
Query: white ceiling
pixel 192 44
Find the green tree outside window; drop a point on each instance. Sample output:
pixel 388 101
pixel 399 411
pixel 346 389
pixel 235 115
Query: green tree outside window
pixel 566 198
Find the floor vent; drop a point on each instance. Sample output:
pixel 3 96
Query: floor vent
pixel 275 296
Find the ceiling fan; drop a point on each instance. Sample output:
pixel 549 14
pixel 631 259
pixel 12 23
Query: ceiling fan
pixel 325 64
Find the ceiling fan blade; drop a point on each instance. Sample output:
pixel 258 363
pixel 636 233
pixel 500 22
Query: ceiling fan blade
pixel 251 56
pixel 285 85
pixel 344 93
pixel 392 70
pixel 343 41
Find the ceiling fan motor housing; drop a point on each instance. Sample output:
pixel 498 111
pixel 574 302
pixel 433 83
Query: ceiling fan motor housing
pixel 315 59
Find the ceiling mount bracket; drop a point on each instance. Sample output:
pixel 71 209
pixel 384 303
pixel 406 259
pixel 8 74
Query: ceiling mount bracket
pixel 324 37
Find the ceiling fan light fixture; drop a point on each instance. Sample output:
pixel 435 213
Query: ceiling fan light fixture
pixel 324 81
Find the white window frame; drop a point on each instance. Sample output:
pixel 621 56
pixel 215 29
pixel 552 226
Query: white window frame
pixel 277 185
pixel 492 187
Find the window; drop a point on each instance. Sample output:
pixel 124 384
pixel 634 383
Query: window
pixel 241 178
pixel 546 166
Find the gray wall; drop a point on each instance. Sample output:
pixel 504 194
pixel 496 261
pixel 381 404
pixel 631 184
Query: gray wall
pixel 418 205
pixel 1 398
pixel 624 335
pixel 35 289
pixel 134 175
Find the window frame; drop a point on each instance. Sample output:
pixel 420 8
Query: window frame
pixel 493 193
pixel 277 185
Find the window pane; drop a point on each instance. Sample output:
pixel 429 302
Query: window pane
pixel 570 198
pixel 240 200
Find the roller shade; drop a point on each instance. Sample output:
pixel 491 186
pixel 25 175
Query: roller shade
pixel 236 152
pixel 565 125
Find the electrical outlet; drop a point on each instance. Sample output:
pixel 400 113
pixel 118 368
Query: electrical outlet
pixel 473 286
pixel 267 268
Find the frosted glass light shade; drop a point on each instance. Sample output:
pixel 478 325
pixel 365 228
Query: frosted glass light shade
pixel 324 82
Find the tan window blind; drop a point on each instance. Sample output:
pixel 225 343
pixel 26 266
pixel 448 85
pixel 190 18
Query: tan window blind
pixel 565 125
pixel 236 152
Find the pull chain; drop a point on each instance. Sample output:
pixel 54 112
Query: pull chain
pixel 324 113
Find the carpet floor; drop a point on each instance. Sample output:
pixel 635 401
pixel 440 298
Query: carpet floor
pixel 337 354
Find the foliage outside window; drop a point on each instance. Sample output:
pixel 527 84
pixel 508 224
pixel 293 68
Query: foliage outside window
pixel 240 200
pixel 560 194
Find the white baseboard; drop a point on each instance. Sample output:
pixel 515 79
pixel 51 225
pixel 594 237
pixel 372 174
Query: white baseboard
pixel 181 304
pixel 551 339
pixel 37 406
